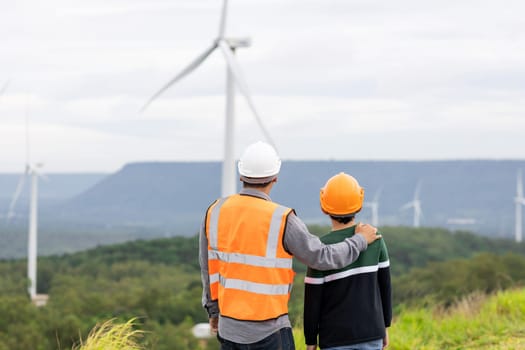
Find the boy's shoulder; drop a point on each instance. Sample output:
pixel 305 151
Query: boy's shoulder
pixel 338 235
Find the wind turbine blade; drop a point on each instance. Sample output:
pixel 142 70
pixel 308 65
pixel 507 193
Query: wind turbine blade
pixel 4 88
pixel 43 176
pixel 243 87
pixel 378 194
pixel 194 64
pixel 28 141
pixel 18 190
pixel 519 185
pixel 406 206
pixel 222 26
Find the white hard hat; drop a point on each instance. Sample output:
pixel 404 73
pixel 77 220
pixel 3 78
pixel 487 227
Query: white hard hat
pixel 259 163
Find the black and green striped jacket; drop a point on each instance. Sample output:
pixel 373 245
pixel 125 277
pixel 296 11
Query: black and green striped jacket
pixel 351 305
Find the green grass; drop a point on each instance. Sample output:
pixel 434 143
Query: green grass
pixel 112 336
pixel 478 321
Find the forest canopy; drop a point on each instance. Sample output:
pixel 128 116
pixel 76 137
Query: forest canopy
pixel 158 281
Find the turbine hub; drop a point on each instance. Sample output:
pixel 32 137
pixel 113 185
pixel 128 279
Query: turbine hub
pixel 238 42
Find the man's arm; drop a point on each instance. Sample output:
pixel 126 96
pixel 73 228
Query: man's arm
pixel 211 306
pixel 309 249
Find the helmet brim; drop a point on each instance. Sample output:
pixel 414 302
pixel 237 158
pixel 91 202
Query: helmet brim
pixel 258 180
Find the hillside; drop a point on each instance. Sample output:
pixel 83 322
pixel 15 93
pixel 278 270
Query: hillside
pixel 55 188
pixel 148 194
pixel 175 195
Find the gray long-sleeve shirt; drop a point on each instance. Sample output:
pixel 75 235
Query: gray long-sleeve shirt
pixel 306 247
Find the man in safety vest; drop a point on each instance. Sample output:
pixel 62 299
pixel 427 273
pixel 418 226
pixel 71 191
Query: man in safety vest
pixel 246 247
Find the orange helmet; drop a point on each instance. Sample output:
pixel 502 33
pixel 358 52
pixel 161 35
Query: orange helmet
pixel 342 195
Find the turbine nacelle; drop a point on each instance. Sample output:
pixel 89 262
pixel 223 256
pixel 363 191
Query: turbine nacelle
pixel 234 43
pixel 35 168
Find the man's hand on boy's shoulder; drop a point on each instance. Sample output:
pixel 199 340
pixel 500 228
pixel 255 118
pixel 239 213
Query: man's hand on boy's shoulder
pixel 368 231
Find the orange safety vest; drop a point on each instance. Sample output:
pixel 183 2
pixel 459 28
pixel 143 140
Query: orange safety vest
pixel 250 271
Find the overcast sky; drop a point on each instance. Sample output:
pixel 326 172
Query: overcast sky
pixel 332 79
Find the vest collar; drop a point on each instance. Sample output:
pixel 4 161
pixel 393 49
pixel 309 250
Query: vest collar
pixel 254 193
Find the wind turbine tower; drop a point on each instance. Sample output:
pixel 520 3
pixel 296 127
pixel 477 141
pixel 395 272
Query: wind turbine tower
pixel 31 171
pixel 519 200
pixel 416 204
pixel 33 229
pixel 374 207
pixel 234 77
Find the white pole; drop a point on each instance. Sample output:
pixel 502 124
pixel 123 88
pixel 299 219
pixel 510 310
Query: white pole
pixel 518 221
pixel 417 213
pixel 229 184
pixel 519 202
pixel 375 214
pixel 32 241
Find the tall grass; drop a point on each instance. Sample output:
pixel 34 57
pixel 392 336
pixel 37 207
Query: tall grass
pixel 112 336
pixel 478 321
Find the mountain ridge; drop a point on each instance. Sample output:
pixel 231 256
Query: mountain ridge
pixel 178 193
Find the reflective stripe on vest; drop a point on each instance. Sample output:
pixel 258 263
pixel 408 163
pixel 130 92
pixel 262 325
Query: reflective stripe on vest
pixel 213 262
pixel 214 223
pixel 242 282
pixel 257 288
pixel 275 229
pixel 253 260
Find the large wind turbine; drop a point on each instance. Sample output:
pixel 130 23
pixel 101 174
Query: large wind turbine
pixel 519 200
pixel 32 171
pixel 233 77
pixel 374 207
pixel 416 204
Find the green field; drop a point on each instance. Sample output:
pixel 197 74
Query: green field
pixel 451 291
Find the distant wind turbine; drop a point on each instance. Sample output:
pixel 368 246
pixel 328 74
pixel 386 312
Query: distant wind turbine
pixel 32 171
pixel 519 200
pixel 416 204
pixel 234 76
pixel 374 207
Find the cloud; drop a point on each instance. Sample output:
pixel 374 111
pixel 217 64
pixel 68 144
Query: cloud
pixel 381 78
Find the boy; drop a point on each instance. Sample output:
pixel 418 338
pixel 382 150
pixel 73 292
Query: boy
pixel 348 308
